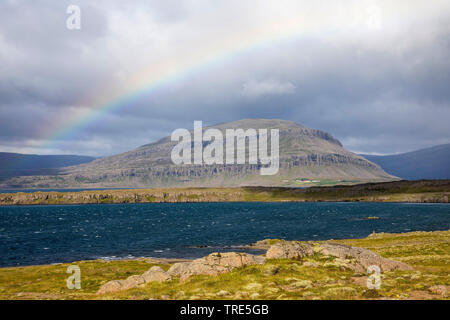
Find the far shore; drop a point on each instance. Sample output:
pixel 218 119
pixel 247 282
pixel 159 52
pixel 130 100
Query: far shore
pixel 425 191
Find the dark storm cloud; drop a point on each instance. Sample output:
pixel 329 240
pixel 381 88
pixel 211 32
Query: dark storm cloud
pixel 382 91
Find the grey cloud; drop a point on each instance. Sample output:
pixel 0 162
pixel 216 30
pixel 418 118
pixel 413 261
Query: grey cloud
pixel 381 92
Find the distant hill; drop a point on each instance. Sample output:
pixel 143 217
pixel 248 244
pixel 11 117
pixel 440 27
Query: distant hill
pixel 16 164
pixel 305 155
pixel 429 163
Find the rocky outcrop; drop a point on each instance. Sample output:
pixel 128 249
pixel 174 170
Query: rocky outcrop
pixel 178 269
pixel 156 274
pixel 357 259
pixel 354 258
pixel 289 250
pixel 363 258
pixel 120 285
pixel 153 274
pixel 214 264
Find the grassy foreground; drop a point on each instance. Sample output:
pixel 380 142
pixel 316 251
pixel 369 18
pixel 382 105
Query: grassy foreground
pixel 317 277
pixel 397 191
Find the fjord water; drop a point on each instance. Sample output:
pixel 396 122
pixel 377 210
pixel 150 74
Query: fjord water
pixel 50 234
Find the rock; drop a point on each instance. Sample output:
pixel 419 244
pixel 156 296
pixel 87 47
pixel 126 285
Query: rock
pixel 178 269
pixel 110 287
pixel 132 282
pixel 120 285
pixel 289 250
pixel 357 259
pixel 439 289
pixel 364 258
pixel 214 264
pixel 156 274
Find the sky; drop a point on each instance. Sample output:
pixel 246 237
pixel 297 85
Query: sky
pixel 374 74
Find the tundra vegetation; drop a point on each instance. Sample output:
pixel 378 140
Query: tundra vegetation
pixel 314 276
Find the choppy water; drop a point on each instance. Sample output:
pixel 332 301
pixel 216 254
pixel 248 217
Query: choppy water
pixel 51 234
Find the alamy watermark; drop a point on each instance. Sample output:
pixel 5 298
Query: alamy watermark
pixel 207 147
pixel 374 280
pixel 73 22
pixel 74 281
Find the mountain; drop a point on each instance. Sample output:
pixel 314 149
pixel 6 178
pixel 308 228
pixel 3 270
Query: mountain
pixel 305 155
pixel 16 164
pixel 429 163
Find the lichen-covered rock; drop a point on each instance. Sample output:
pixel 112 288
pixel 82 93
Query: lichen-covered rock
pixel 120 285
pixel 110 287
pixel 364 258
pixel 132 282
pixel 156 274
pixel 354 258
pixel 289 250
pixel 178 269
pixel 214 264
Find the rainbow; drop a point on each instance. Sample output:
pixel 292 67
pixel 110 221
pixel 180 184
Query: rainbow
pixel 166 72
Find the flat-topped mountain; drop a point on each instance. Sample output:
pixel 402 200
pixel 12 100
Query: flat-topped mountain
pixel 306 156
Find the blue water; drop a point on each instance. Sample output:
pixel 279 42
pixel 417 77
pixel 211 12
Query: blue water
pixel 49 234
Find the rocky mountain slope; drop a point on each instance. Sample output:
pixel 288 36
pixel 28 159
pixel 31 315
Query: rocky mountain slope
pixel 429 163
pixel 304 154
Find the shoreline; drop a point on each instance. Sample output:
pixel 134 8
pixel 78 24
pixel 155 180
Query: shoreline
pixel 261 245
pixel 425 191
pixel 415 266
